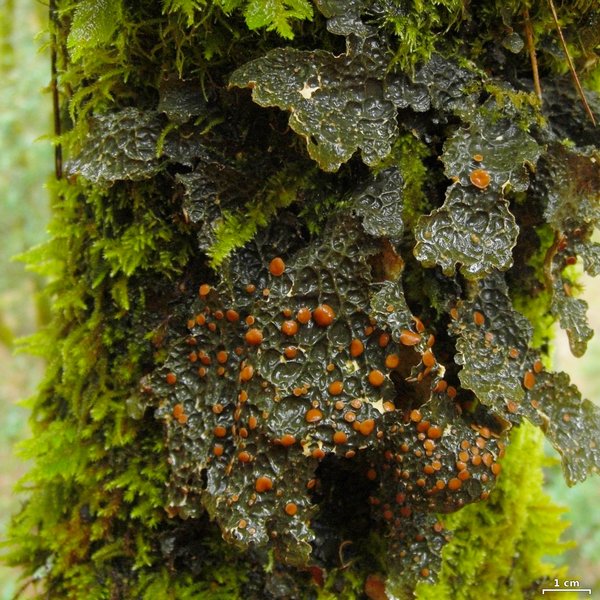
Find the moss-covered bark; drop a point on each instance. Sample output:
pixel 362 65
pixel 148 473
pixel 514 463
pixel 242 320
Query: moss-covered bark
pixel 285 352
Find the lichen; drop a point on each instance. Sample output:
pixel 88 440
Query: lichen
pixel 480 557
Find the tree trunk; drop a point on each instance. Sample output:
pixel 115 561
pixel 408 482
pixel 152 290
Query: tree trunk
pixel 305 260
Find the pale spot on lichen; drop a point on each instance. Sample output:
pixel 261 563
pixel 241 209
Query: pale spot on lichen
pixel 308 90
pixel 377 405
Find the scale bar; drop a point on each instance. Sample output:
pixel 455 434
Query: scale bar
pixel 588 590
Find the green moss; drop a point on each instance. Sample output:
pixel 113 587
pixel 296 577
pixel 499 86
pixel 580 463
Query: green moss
pixel 237 229
pixel 114 470
pixel 419 27
pixel 523 106
pixel 499 546
pixel 409 155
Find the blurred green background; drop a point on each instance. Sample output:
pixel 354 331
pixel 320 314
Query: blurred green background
pixel 25 164
pixel 25 115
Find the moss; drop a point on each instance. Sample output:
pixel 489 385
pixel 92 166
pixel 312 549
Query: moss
pixel 420 26
pixel 524 106
pixel 410 155
pixel 237 229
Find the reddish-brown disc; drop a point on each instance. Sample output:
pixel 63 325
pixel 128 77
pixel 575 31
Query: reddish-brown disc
pixel 409 338
pixel 356 347
pixel 244 457
pixel 246 373
pixel 289 328
pixel 454 484
pixel 277 266
pixel 384 340
pixel 529 380
pixel 478 318
pixel 336 388
pixel 314 415
pixel 415 415
pixel 480 178
pixel 428 358
pixel 254 337
pixel 434 432
pixel 263 484
pixel 290 352
pixel 392 361
pixel 232 315
pixel 218 450
pixel 366 427
pixel 304 315
pixel 376 378
pixel 323 315
pixel 287 440
pixel 339 437
pixel 220 431
pixel 291 509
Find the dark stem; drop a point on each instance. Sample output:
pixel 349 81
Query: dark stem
pixel 588 110
pixel 58 170
pixel 532 55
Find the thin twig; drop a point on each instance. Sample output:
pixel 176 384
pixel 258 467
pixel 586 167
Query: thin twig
pixel 343 545
pixel 532 55
pixel 549 261
pixel 58 170
pixel 22 588
pixel 571 66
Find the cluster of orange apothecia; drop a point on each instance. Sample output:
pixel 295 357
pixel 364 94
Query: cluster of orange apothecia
pixel 290 378
pixel 321 316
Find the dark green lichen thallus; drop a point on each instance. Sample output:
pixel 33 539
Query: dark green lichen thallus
pixel 569 182
pixel 318 369
pixel 344 16
pixel 125 145
pixel 435 461
pixel 343 103
pixel 490 153
pixel 255 397
pixel 379 203
pixel 473 229
pixel 492 346
pixel 213 187
pixel 179 99
pixel 509 378
pixel 260 396
pixel 570 423
pixel 336 102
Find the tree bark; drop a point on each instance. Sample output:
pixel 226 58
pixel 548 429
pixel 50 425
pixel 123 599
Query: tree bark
pixel 304 263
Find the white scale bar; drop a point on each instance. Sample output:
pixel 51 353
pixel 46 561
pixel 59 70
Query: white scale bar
pixel 588 590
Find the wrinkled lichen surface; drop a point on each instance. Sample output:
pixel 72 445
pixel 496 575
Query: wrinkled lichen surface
pixel 286 356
